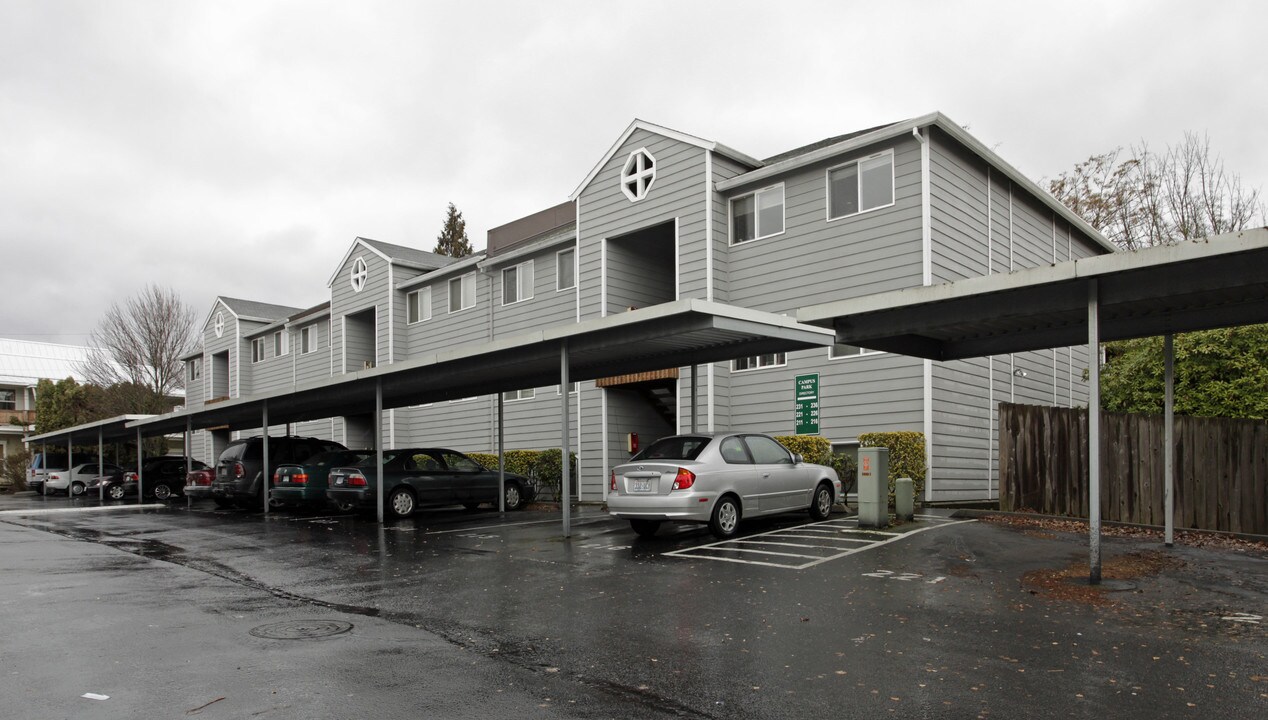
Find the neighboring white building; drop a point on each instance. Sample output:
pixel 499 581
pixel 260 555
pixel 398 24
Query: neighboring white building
pixel 23 364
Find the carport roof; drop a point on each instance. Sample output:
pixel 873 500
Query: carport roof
pixel 683 332
pixel 1219 282
pixel 112 430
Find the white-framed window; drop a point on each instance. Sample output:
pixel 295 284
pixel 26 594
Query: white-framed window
pixel 638 174
pixel 861 185
pixel 358 274
pixel 566 269
pixel 572 388
pixel 756 362
pixel 220 324
pixel 307 339
pixel 196 369
pixel 522 394
pixel 462 292
pixel 281 343
pixel 757 215
pixel 257 350
pixel 8 399
pixel 517 283
pixel 418 306
pixel 844 350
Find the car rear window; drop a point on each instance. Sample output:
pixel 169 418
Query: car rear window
pixel 680 447
pixel 234 452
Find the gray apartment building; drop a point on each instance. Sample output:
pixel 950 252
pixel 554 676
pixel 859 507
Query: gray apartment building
pixel 663 216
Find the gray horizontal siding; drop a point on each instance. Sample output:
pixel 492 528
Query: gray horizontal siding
pixel 958 198
pixel 547 308
pixel 314 365
pixel 817 261
pixel 447 330
pixel 678 192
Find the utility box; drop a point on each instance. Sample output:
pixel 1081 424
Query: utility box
pixel 904 499
pixel 873 490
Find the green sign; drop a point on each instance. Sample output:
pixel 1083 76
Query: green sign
pixel 806 404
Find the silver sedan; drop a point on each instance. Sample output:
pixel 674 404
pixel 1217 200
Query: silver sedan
pixel 717 478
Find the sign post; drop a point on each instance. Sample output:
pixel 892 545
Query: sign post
pixel 806 404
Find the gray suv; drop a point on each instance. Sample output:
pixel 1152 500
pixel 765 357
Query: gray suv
pixel 238 470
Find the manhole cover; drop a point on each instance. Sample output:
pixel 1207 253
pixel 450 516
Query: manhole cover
pixel 301 629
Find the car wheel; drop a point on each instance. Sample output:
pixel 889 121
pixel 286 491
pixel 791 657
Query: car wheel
pixel 513 498
pixel 726 517
pixel 821 507
pixel 77 488
pixel 162 491
pixel 645 528
pixel 471 506
pixel 401 502
pixel 115 492
pixel 225 502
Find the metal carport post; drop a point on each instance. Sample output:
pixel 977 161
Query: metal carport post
pixel 378 448
pixel 565 483
pixel 140 470
pixel 101 466
pixel 264 465
pixel 1094 434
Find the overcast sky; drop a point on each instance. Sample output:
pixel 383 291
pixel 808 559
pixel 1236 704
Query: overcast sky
pixel 238 148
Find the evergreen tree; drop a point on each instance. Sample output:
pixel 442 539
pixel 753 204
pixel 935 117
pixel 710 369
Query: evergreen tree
pixel 453 240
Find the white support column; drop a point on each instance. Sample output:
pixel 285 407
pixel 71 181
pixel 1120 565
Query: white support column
pixel 140 470
pixel 501 453
pixel 101 466
pixel 378 448
pixel 189 458
pixel 1094 435
pixel 1169 438
pixel 565 484
pixel 264 463
pixel 695 426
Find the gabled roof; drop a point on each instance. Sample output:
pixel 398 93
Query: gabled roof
pixel 832 147
pixel 827 142
pixel 393 255
pixel 470 262
pixel 251 310
pixel 666 132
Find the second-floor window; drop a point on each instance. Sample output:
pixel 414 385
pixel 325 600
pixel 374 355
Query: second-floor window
pixel 524 394
pixel 307 339
pixel 517 283
pixel 196 369
pixel 281 343
pixel 862 185
pixel 758 215
pixel 257 350
pixel 462 293
pixel 8 399
pixel 759 361
pixel 418 306
pixel 565 269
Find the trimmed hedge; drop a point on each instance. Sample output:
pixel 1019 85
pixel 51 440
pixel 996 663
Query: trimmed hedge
pixel 906 456
pixel 812 448
pixel 543 466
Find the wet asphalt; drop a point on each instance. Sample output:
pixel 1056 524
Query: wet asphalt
pixel 174 612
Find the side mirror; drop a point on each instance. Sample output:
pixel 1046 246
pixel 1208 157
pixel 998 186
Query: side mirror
pixel 797 459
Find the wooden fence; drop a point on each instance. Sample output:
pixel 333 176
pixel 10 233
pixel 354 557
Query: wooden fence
pixel 1221 467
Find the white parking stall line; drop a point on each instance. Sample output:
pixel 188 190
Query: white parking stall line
pixel 779 538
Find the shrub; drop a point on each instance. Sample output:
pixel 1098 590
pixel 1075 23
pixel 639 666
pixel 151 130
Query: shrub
pixel 542 466
pixel 812 448
pixel 906 456
pixel 13 470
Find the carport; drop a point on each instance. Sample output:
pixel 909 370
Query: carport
pixel 683 332
pixel 1213 283
pixel 115 429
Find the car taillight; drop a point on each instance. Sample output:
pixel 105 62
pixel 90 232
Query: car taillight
pixel 612 482
pixel 684 479
pixel 238 470
pixel 357 480
pixel 129 477
pixel 54 476
pixel 299 478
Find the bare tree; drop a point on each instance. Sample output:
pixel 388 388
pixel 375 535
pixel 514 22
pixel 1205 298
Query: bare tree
pixel 140 344
pixel 1150 199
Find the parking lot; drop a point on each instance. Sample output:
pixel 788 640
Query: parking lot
pixel 174 612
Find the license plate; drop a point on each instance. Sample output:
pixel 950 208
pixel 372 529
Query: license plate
pixel 640 485
pixel 338 481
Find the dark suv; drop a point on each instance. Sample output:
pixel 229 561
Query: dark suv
pixel 238 470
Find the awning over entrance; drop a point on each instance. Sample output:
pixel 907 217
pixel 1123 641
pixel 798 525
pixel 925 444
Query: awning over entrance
pixel 1219 282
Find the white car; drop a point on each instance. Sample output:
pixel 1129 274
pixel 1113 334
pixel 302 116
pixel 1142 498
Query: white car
pixel 75 480
pixel 719 479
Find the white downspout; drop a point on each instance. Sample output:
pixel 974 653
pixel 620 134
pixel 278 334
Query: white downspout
pixel 926 252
